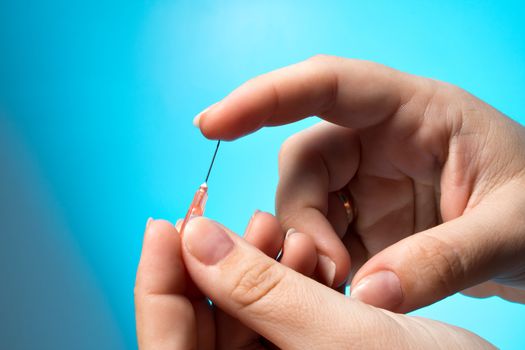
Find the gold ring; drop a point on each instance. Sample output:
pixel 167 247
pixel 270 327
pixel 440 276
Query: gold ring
pixel 347 203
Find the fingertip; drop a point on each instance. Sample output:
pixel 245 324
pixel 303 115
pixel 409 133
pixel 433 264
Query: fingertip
pixel 242 112
pixel 158 232
pixel 206 129
pixel 160 267
pixel 213 129
pixel 299 253
pixel 265 233
pixel 164 315
pixel 214 124
pixel 198 120
pixel 337 257
pixel 156 226
pixel 326 269
pixel 207 242
pixel 150 219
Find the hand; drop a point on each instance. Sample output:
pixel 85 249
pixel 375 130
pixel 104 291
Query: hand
pixel 437 178
pixel 288 309
pixel 171 312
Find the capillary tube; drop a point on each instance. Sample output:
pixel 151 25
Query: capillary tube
pixel 197 205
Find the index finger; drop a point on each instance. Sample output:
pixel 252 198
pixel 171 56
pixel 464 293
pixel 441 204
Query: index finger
pixel 346 92
pixel 166 318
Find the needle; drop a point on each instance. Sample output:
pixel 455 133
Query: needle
pixel 212 161
pixel 201 196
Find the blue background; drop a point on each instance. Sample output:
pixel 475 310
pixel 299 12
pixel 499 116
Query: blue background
pixel 96 103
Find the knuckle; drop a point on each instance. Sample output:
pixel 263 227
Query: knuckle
pixel 139 289
pixel 142 294
pixel 136 291
pixel 256 283
pixel 298 150
pixel 451 89
pixel 288 149
pixel 136 294
pixel 443 262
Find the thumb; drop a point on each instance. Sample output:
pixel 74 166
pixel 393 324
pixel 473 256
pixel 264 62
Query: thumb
pixel 291 310
pixel 485 243
pixel 263 294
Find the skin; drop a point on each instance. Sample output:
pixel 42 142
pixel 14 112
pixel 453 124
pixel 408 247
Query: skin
pixel 259 303
pixel 436 177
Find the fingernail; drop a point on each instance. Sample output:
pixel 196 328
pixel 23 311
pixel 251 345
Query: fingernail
pixel 197 119
pixel 326 268
pixel 248 227
pixel 289 233
pixel 207 241
pixel 150 219
pixel 381 289
pixel 257 211
pixel 178 224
